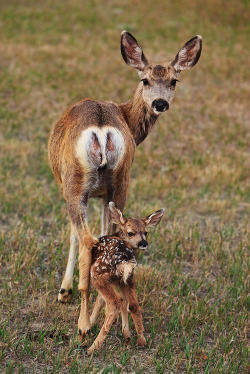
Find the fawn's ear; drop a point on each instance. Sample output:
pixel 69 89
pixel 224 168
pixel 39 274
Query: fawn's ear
pixel 132 52
pixel 154 218
pixel 188 55
pixel 116 215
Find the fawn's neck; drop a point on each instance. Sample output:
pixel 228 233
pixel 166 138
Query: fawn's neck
pixel 119 235
pixel 139 117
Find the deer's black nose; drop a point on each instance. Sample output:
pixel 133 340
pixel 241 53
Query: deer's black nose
pixel 143 244
pixel 160 105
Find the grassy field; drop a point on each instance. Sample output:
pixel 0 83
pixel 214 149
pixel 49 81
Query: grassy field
pixel 193 281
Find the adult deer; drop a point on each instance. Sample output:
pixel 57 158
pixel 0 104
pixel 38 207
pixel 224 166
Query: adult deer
pixel 91 150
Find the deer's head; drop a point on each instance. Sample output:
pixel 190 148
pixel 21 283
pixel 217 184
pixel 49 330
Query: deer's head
pixel 158 81
pixel 134 231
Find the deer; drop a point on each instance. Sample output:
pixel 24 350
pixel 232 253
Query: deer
pixel 91 149
pixel 113 264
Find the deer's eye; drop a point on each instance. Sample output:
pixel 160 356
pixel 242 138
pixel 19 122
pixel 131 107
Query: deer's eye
pixel 130 234
pixel 145 82
pixel 173 83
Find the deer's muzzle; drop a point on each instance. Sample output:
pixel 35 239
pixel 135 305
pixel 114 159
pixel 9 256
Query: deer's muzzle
pixel 143 244
pixel 160 105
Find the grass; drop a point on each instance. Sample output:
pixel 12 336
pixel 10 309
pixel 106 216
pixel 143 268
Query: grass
pixel 193 281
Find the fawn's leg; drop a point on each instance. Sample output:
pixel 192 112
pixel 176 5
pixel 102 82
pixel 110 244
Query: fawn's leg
pixel 67 283
pixel 136 313
pixel 99 304
pixel 124 313
pixel 113 302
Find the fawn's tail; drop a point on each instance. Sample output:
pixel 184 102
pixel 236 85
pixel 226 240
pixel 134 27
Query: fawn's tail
pixel 126 269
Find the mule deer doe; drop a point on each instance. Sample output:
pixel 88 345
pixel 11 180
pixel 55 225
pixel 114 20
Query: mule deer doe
pixel 113 265
pixel 92 146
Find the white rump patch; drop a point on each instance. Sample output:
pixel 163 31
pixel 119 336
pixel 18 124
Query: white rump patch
pixel 100 147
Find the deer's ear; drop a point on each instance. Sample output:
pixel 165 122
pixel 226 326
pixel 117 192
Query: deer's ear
pixel 188 55
pixel 116 215
pixel 132 52
pixel 154 218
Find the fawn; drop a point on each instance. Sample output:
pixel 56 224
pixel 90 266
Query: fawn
pixel 113 263
pixel 92 146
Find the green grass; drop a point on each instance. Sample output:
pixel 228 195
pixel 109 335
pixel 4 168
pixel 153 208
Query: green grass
pixel 193 281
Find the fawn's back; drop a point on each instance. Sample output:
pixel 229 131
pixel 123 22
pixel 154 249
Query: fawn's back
pixel 113 259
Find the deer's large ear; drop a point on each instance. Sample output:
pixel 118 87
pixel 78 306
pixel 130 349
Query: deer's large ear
pixel 188 55
pixel 132 52
pixel 116 215
pixel 154 218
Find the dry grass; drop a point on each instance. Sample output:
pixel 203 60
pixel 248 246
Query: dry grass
pixel 193 281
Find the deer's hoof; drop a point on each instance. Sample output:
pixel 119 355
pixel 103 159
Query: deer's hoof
pixel 128 340
pixel 83 337
pixel 126 334
pixel 64 296
pixel 141 341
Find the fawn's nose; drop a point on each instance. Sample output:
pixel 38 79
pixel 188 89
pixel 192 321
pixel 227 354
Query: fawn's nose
pixel 143 244
pixel 160 105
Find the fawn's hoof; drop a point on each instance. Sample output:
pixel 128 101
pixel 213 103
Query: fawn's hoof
pixel 94 348
pixel 141 341
pixel 91 350
pixel 64 296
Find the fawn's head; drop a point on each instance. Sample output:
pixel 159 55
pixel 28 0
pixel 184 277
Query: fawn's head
pixel 134 231
pixel 158 82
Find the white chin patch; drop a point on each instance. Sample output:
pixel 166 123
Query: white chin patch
pixel 143 248
pixel 156 112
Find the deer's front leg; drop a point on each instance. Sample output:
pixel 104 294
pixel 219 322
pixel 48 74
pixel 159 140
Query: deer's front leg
pixel 105 215
pixel 119 195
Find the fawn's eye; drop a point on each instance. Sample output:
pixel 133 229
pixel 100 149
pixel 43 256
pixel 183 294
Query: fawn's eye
pixel 173 83
pixel 130 234
pixel 145 82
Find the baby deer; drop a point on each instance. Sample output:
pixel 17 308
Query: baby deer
pixel 113 263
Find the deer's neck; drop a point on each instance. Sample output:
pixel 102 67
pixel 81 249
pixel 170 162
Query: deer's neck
pixel 139 118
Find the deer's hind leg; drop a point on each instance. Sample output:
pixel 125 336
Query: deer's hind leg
pixel 65 292
pixel 77 202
